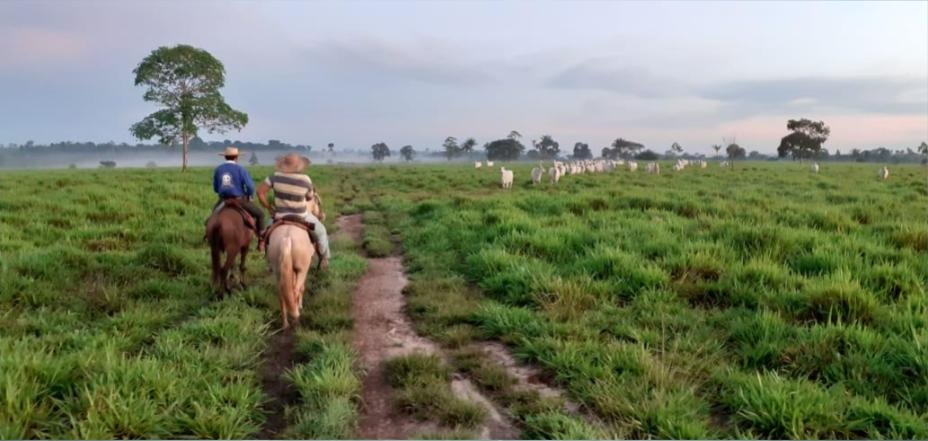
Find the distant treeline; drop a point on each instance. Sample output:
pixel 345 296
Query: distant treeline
pixel 196 144
pixel 879 154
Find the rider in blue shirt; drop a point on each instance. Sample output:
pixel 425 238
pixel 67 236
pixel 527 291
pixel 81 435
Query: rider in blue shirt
pixel 232 181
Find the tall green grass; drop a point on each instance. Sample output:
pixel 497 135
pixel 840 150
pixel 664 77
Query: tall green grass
pixel 655 299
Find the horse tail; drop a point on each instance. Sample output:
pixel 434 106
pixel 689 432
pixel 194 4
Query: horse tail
pixel 285 269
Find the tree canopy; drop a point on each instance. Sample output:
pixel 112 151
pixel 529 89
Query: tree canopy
pixel 407 152
pixel 508 149
pixel 735 151
pixel 380 151
pixel 547 148
pixel 452 149
pixel 468 145
pixel 582 151
pixel 622 148
pixel 806 139
pixel 185 81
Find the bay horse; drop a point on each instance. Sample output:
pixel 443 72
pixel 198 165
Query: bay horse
pixel 290 254
pixel 228 233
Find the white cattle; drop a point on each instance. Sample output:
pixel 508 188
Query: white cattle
pixel 537 173
pixel 884 173
pixel 654 168
pixel 489 163
pixel 506 177
pixel 703 164
pixel 477 164
pixel 815 167
pixel 723 164
pixel 632 166
pixel 555 174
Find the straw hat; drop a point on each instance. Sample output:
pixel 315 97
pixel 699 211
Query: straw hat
pixel 292 163
pixel 230 151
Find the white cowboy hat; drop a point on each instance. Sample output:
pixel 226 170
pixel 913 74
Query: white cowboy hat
pixel 292 163
pixel 230 151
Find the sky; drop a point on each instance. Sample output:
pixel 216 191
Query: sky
pixel 356 73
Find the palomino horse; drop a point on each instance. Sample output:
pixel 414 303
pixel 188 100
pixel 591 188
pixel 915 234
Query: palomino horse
pixel 227 233
pixel 290 254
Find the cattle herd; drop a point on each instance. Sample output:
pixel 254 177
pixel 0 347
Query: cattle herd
pixel 560 169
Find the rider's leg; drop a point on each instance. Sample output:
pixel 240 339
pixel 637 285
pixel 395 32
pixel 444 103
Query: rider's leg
pixel 256 212
pixel 319 235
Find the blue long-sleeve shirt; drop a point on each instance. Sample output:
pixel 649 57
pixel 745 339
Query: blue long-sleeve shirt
pixel 231 180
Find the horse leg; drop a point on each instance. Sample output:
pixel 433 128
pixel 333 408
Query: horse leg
pixel 216 255
pixel 300 288
pixel 283 312
pixel 241 267
pixel 227 272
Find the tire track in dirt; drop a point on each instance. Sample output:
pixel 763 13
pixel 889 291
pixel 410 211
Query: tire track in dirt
pixel 383 331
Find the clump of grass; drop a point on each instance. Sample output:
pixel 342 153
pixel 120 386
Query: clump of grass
pixel 167 259
pixel 841 301
pixel 376 241
pixel 425 391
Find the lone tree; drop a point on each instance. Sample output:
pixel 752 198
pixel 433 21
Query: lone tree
pixel 514 135
pixel 582 151
pixel 380 151
pixel 253 160
pixel 507 149
pixel 468 146
pixel 186 82
pixel 923 149
pixel 452 149
pixel 547 148
pixel 716 147
pixel 734 151
pixel 407 152
pixel 331 147
pixel 676 148
pixel 805 141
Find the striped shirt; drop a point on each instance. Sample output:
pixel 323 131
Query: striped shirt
pixel 290 191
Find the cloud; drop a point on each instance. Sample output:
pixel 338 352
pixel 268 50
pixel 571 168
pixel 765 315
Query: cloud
pixel 22 47
pixel 598 73
pixel 390 62
pixel 888 95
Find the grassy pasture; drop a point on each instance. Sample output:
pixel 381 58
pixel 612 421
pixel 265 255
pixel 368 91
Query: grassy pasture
pixel 108 327
pixel 763 301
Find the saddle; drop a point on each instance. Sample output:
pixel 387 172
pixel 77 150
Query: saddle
pixel 293 220
pixel 236 204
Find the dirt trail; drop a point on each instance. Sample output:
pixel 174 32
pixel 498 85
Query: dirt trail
pixel 278 357
pixel 527 377
pixel 381 332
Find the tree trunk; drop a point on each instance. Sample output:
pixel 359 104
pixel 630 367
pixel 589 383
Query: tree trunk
pixel 184 162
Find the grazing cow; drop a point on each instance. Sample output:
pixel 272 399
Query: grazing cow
pixel 654 168
pixel 723 164
pixel 632 166
pixel 477 164
pixel 703 164
pixel 537 173
pixel 884 173
pixel 506 177
pixel 815 167
pixel 489 163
